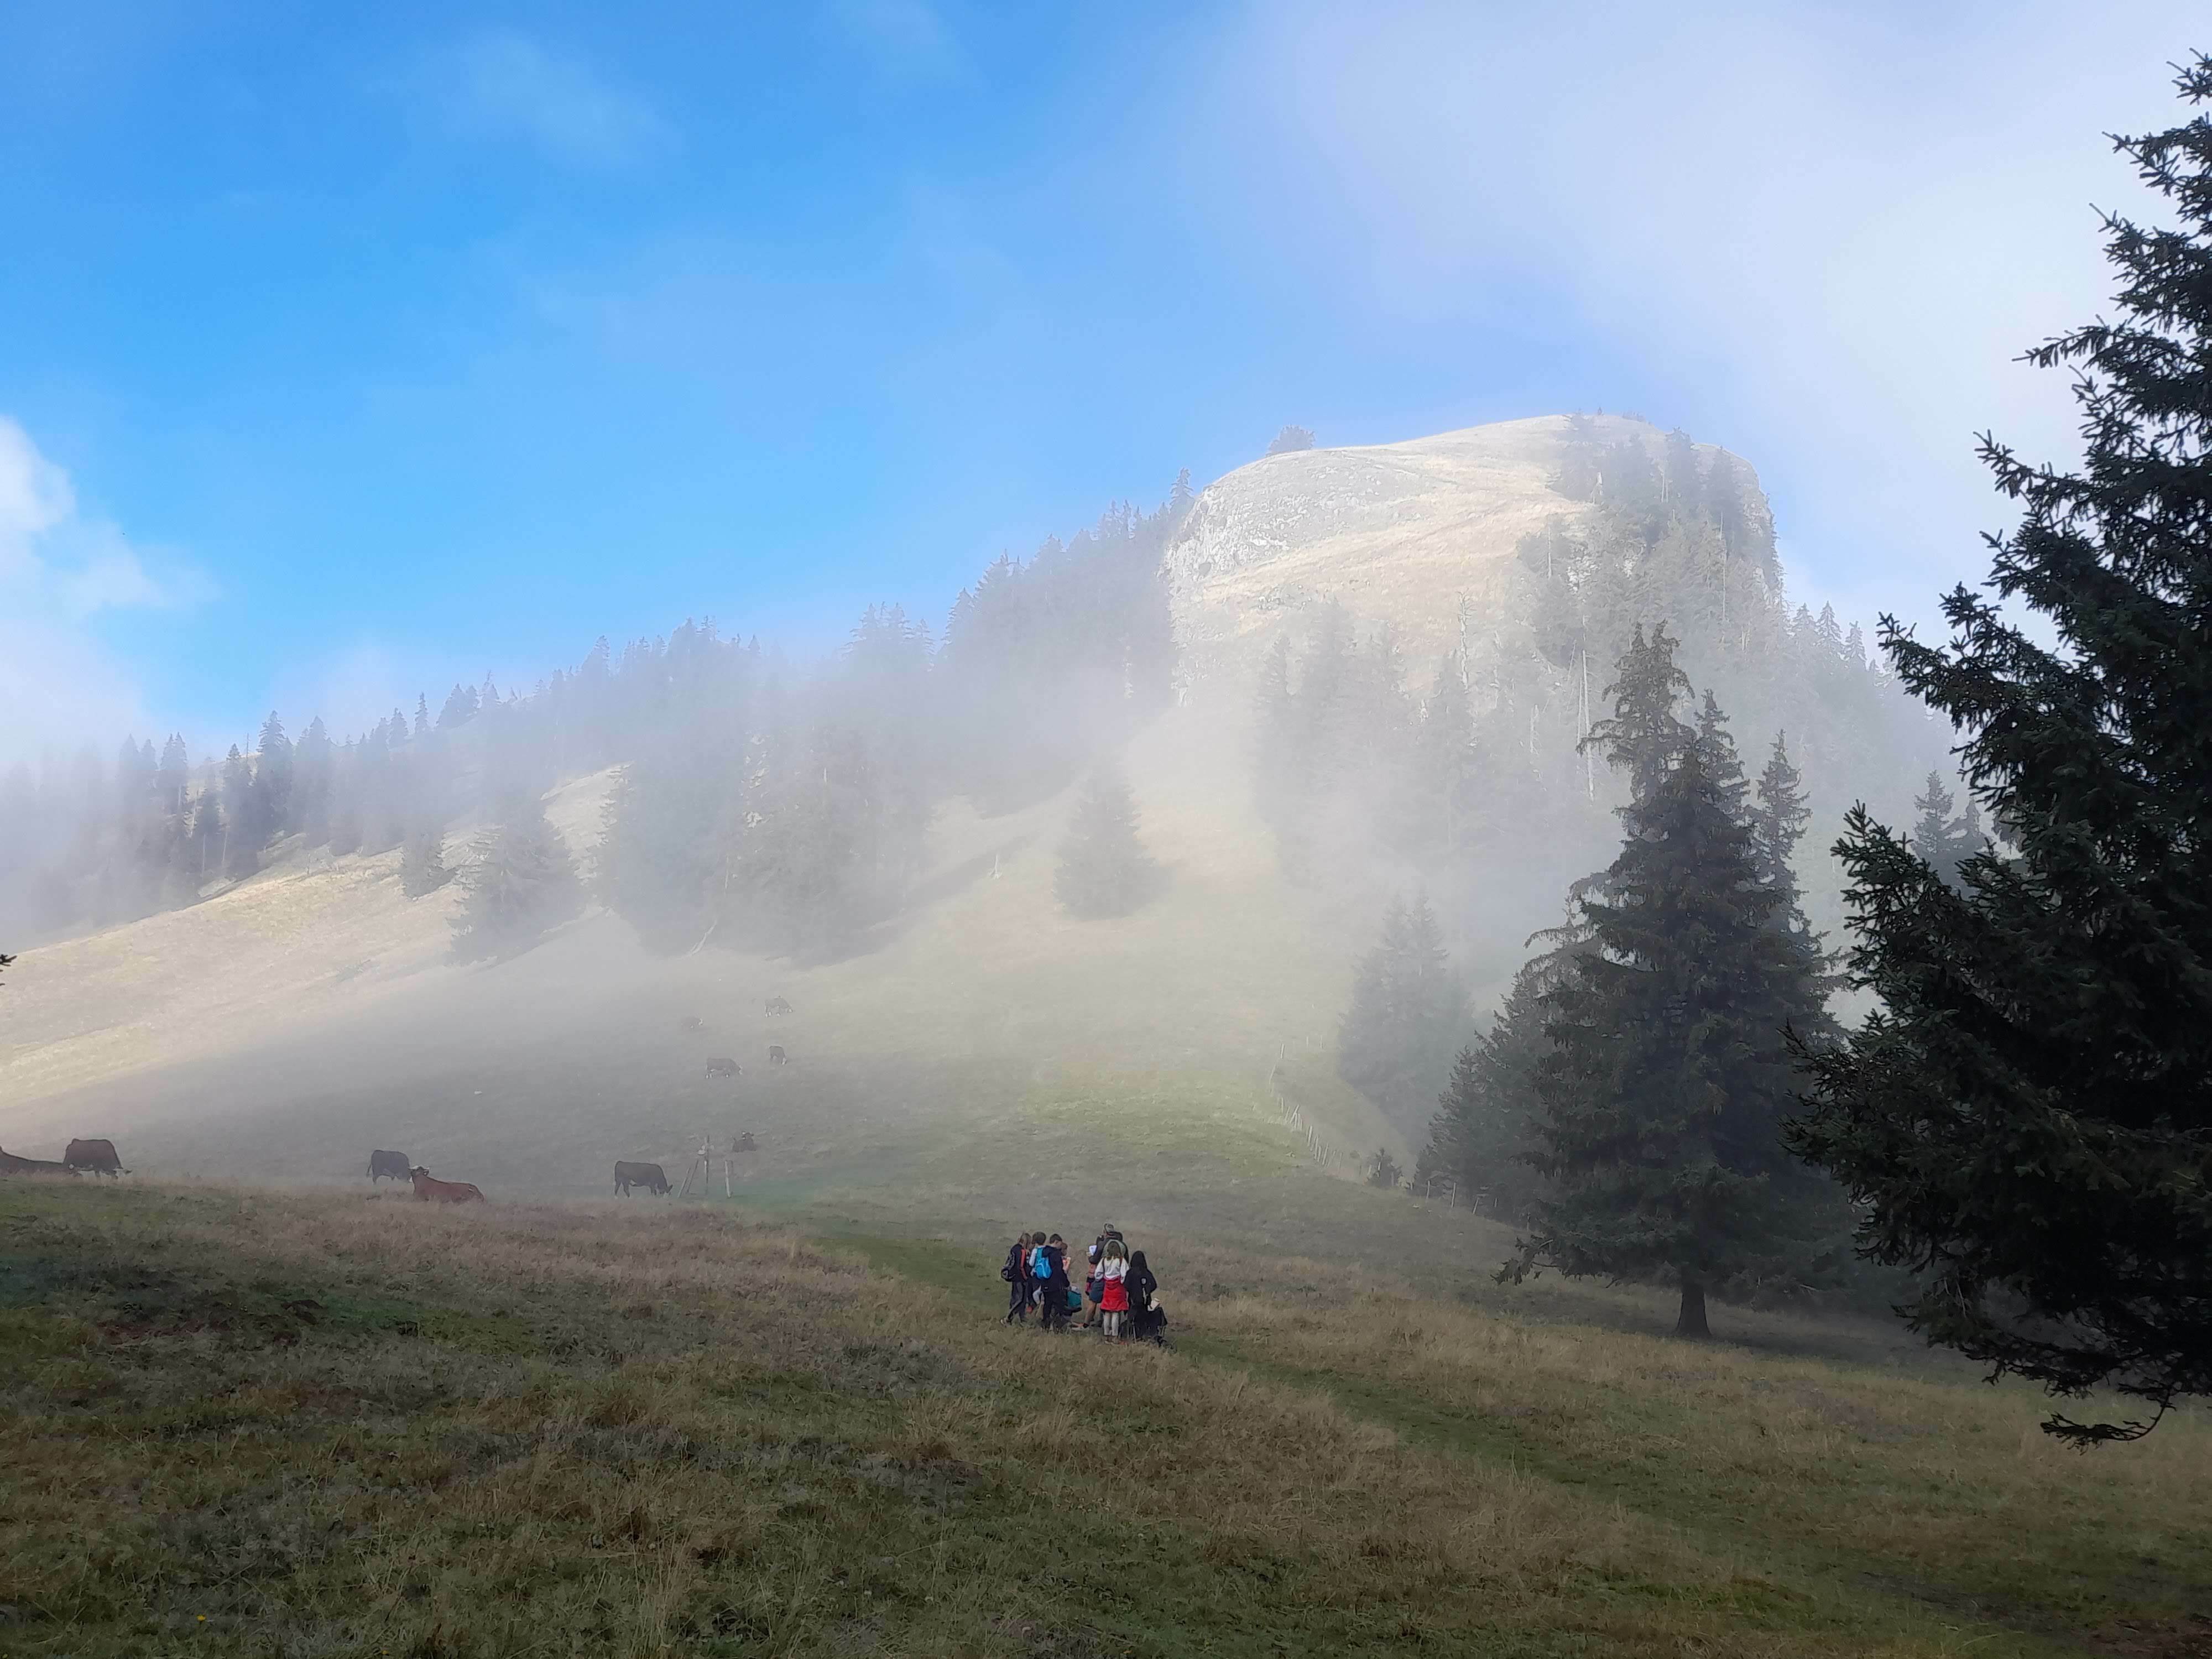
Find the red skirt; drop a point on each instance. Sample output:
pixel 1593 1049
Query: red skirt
pixel 1115 1298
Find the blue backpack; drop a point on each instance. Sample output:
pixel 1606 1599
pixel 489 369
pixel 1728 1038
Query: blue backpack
pixel 1039 1267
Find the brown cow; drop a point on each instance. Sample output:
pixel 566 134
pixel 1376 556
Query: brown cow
pixel 776 1055
pixel 445 1192
pixel 648 1175
pixel 11 1164
pixel 97 1155
pixel 722 1066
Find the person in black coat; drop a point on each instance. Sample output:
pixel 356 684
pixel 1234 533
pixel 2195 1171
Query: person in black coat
pixel 1146 1318
pixel 1016 1272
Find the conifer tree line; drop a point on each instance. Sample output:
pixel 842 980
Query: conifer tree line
pixel 760 802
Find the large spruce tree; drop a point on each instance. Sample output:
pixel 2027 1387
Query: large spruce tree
pixel 2026 1118
pixel 1669 1078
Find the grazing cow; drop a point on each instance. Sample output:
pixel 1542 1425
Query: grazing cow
pixel 744 1143
pixel 692 1023
pixel 722 1066
pixel 776 1055
pixel 445 1192
pixel 778 1005
pixel 97 1155
pixel 648 1175
pixel 11 1164
pixel 394 1164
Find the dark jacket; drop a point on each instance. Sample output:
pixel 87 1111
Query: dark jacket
pixel 1140 1284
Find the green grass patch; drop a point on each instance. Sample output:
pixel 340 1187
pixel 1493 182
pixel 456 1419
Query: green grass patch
pixel 1163 1120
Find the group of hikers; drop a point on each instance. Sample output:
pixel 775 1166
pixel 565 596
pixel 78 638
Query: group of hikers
pixel 1120 1297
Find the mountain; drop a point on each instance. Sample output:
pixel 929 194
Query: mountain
pixel 1414 534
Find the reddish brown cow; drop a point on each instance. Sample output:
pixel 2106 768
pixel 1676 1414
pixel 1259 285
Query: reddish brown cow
pixel 427 1188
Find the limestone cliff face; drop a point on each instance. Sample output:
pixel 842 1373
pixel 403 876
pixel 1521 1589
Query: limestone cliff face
pixel 1420 534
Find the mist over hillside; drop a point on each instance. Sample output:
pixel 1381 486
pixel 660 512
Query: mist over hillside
pixel 1360 678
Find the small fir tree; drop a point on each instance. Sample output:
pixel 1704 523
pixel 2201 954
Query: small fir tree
pixel 2026 1118
pixel 1384 1170
pixel 239 853
pixel 422 863
pixel 1484 1136
pixel 345 831
pixel 1943 842
pixel 273 777
pixel 1408 1015
pixel 1290 439
pixel 1104 869
pixel 521 881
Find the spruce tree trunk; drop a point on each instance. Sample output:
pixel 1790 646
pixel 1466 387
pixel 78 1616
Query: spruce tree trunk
pixel 1690 1322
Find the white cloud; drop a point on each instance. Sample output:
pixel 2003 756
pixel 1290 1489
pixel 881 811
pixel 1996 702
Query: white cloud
pixel 502 86
pixel 1833 230
pixel 56 558
pixel 35 497
pixel 60 689
pixel 60 567
pixel 902 38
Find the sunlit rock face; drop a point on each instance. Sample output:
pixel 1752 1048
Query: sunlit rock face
pixel 1419 534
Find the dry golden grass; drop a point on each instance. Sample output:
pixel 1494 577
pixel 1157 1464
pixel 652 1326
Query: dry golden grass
pixel 332 1426
pixel 1948 1488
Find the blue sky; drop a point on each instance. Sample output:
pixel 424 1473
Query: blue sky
pixel 344 352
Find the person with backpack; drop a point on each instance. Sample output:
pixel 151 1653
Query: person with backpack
pixel 1039 1267
pixel 1019 1286
pixel 1054 1284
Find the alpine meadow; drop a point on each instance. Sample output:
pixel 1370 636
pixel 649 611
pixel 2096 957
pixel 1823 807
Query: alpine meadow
pixel 1576 1036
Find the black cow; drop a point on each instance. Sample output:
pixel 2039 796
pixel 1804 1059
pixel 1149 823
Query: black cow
pixel 778 1005
pixel 11 1164
pixel 627 1175
pixel 722 1066
pixel 776 1055
pixel 744 1143
pixel 97 1155
pixel 395 1164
